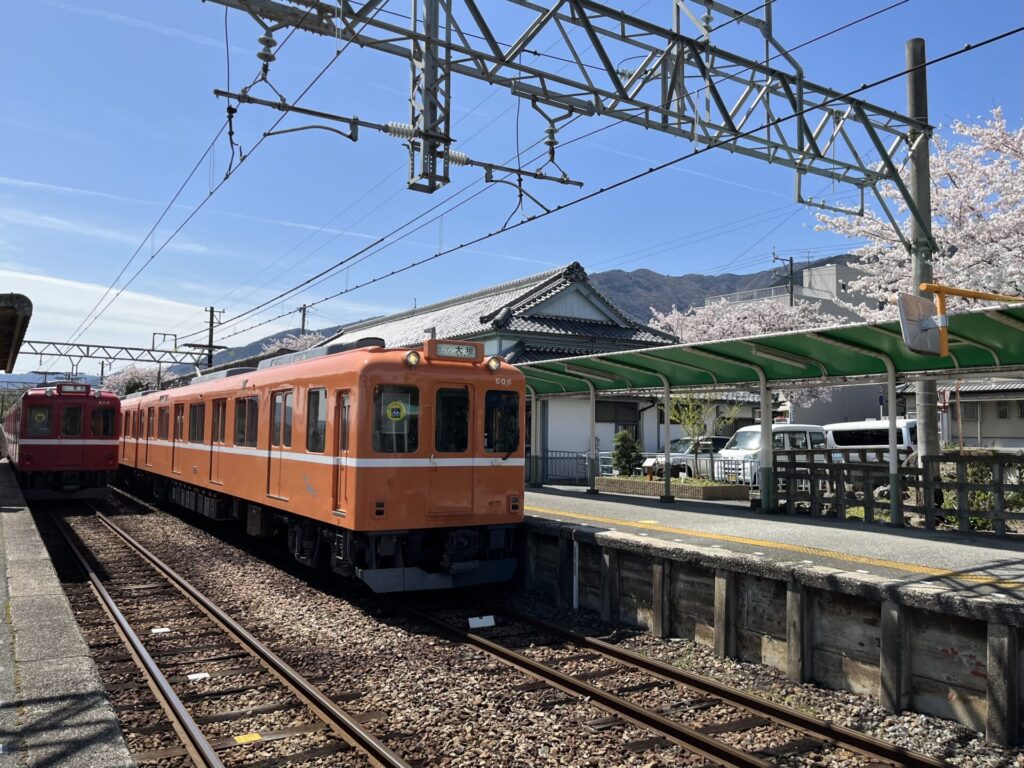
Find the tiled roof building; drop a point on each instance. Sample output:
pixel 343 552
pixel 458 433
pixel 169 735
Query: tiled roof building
pixel 557 313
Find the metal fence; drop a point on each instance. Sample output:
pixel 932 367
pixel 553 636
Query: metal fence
pixel 970 491
pixel 709 467
pixel 558 468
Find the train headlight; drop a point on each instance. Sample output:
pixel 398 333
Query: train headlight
pixel 412 359
pixel 493 364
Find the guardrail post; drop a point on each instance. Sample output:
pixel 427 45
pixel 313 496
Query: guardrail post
pixel 1003 676
pixel 725 612
pixel 998 499
pixel 661 598
pixel 963 504
pixel 894 658
pixel 928 491
pixel 609 584
pixel 799 647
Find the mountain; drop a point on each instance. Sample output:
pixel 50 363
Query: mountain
pixel 637 291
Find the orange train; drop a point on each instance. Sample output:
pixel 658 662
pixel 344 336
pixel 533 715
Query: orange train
pixel 401 467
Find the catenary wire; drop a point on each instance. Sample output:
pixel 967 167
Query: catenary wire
pixel 316 278
pixel 650 171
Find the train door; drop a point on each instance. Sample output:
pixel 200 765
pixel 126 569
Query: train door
pixel 179 432
pixel 342 416
pixel 280 438
pixel 71 451
pixel 451 460
pixel 220 415
pixel 149 432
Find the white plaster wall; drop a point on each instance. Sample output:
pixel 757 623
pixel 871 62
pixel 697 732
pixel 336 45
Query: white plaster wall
pixel 568 424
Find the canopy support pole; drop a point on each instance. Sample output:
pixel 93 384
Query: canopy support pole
pixel 895 486
pixel 766 479
pixel 666 496
pixel 535 479
pixel 591 448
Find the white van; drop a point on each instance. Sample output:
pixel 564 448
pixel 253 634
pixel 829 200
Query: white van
pixel 742 452
pixel 873 433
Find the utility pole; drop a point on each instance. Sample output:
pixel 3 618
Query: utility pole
pixel 302 309
pixel 209 341
pixel 920 231
pixel 209 346
pixel 783 260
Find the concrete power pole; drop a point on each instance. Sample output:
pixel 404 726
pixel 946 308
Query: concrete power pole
pixel 783 260
pixel 209 343
pixel 302 309
pixel 920 191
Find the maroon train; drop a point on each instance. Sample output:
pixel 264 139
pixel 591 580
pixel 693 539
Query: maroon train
pixel 62 441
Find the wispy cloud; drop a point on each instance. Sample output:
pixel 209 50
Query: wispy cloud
pixel 50 129
pixel 677 169
pixel 148 26
pixel 24 218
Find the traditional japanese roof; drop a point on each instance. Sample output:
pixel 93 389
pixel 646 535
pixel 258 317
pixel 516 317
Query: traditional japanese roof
pixel 559 309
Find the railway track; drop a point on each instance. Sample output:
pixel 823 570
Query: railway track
pixel 219 696
pixel 708 719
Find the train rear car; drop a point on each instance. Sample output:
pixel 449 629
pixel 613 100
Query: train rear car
pixel 400 467
pixel 63 440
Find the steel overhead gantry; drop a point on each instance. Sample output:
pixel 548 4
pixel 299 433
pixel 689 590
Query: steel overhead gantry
pixel 675 83
pixel 111 353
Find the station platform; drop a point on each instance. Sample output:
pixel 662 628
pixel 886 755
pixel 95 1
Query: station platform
pixel 967 563
pixel 53 710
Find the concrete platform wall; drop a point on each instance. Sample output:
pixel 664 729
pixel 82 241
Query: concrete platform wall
pixel 916 647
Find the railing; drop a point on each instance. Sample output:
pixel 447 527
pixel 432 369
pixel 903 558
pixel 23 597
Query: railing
pixel 558 468
pixel 722 470
pixel 971 491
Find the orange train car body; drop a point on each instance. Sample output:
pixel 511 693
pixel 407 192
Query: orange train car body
pixel 402 467
pixel 62 441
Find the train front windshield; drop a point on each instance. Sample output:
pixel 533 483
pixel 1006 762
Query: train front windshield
pixel 501 421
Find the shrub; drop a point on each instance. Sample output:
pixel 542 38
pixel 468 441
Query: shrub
pixel 626 455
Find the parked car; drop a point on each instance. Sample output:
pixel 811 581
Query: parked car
pixel 738 460
pixel 684 456
pixel 872 434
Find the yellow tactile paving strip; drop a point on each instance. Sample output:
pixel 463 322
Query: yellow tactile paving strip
pixel 895 565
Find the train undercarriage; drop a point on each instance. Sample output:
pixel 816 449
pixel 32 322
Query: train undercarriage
pixel 386 561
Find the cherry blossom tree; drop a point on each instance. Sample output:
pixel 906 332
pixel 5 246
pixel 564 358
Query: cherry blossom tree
pixel 294 342
pixel 134 378
pixel 977 220
pixel 730 320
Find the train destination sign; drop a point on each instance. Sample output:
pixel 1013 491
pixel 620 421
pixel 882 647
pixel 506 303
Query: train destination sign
pixel 459 351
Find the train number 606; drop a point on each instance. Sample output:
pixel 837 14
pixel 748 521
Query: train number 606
pixel 503 382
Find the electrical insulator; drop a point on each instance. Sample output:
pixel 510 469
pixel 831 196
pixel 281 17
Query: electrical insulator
pixel 458 158
pixel 401 130
pixel 267 54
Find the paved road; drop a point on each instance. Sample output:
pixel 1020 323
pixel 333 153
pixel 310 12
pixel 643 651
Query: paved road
pixel 982 563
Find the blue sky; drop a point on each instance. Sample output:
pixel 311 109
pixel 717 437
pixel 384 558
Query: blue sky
pixel 108 106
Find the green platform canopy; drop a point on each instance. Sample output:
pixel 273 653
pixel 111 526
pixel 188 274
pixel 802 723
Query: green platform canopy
pixel 989 342
pixel 982 343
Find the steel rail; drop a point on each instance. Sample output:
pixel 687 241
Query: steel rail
pixel 195 742
pixel 846 738
pixel 689 738
pixel 316 699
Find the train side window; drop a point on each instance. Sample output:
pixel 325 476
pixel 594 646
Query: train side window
pixel 163 423
pixel 396 419
pixel 220 420
pixel 125 423
pixel 247 413
pixel 501 421
pixel 343 425
pixel 40 420
pixel 451 427
pixel 316 420
pixel 281 421
pixel 102 422
pixel 150 431
pixel 179 421
pixel 196 422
